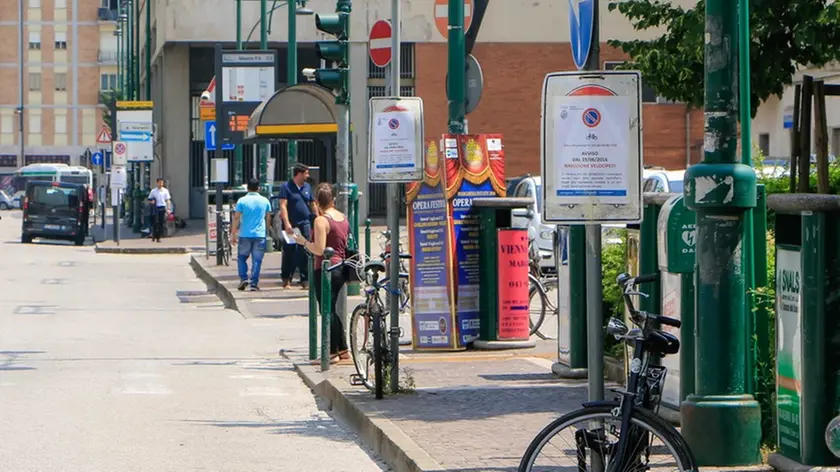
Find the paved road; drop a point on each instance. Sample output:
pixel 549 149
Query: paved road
pixel 114 362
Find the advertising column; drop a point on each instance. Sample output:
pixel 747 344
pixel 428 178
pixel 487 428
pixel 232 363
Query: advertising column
pixel 433 319
pixel 475 168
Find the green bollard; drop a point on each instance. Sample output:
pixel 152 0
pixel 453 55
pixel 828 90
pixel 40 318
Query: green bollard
pixel 367 238
pixel 326 315
pixel 313 311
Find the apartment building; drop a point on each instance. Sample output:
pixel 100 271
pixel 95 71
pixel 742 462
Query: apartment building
pixel 69 55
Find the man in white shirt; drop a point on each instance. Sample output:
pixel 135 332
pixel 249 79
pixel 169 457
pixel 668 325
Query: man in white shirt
pixel 160 198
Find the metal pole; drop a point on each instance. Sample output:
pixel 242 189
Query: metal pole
pixel 263 148
pixel 148 58
pixel 292 76
pixel 21 141
pixel 721 421
pixel 594 288
pixel 136 52
pixel 116 213
pixel 457 67
pixel 238 158
pixel 393 208
pixel 219 221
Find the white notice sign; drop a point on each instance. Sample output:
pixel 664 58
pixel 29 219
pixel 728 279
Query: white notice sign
pixel 591 149
pixel 396 139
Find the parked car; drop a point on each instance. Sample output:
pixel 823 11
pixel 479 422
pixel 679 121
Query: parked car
pixel 661 180
pixel 531 218
pixel 6 202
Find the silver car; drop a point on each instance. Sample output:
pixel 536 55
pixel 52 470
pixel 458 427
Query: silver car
pixel 6 202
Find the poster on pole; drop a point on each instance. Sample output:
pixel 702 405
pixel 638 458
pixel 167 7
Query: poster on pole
pixel 789 349
pixel 396 139
pixel 591 147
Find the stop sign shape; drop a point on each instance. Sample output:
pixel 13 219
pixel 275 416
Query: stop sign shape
pixel 379 43
pixel 442 16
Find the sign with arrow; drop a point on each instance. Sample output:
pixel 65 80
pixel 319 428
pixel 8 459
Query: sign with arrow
pixel 210 137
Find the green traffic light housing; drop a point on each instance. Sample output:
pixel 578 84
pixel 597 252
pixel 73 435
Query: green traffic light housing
pixel 333 51
pixel 337 24
pixel 336 80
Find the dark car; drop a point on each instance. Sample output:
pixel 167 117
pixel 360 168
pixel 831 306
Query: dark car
pixel 55 210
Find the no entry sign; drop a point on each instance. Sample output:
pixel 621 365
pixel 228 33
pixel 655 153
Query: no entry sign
pixel 442 16
pixel 379 43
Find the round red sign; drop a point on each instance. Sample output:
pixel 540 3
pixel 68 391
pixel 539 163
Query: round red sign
pixel 379 43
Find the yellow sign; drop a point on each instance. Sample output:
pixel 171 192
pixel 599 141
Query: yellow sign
pixel 322 128
pixel 238 123
pixel 207 113
pixel 135 104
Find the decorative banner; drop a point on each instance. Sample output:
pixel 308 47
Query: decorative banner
pixel 433 318
pixel 476 165
pixel 514 303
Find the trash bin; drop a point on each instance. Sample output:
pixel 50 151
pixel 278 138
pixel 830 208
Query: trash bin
pixel 676 234
pixel 503 266
pixel 807 341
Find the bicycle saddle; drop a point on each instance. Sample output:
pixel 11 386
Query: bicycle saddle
pixel 662 343
pixel 378 266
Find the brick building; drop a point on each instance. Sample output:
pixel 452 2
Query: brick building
pixel 69 55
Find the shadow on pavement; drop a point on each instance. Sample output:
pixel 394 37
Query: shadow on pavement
pixel 324 428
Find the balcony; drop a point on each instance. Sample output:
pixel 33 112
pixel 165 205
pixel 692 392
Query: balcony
pixel 108 57
pixel 107 14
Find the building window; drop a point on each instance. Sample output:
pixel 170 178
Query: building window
pixel 61 82
pixel 764 144
pixel 34 40
pixel 34 82
pixel 108 82
pixel 60 4
pixel 34 3
pixel 34 124
pixel 648 93
pixel 7 160
pixel 60 124
pixel 61 40
pixel 406 64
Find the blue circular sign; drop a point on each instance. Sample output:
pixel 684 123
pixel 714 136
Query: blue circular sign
pixel 96 158
pixel 591 117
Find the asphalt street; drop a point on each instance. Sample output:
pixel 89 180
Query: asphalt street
pixel 124 363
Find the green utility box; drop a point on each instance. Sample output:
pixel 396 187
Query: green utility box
pixel 503 304
pixel 807 322
pixel 676 241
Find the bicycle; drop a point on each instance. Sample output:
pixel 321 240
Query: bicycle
pixel 542 294
pixel 227 246
pixel 632 416
pixel 405 286
pixel 371 316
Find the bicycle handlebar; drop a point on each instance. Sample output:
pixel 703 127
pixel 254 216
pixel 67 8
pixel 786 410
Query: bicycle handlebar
pixel 627 282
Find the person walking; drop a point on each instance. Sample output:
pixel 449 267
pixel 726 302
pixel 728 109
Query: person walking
pixel 159 197
pixel 252 217
pixel 297 209
pixel 331 230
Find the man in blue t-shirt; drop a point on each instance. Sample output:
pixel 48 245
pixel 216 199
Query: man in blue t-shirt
pixel 252 217
pixel 297 210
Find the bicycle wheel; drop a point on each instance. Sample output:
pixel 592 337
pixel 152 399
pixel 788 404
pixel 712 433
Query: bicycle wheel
pixel 405 294
pixel 537 303
pixel 360 345
pixel 226 249
pixel 588 439
pixel 378 351
pixel 548 328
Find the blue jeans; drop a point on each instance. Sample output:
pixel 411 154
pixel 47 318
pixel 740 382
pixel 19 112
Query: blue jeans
pixel 294 256
pixel 255 249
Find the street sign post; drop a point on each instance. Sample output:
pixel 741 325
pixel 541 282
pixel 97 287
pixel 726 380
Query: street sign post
pixel 442 16
pixel 97 158
pixel 379 43
pixel 474 78
pixel 120 153
pixel 210 133
pixel 591 147
pixel 581 26
pixel 135 127
pixel 396 139
pixel 104 136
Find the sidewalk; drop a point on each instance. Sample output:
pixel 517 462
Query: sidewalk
pixel 189 239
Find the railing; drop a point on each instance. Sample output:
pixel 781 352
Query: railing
pixel 107 57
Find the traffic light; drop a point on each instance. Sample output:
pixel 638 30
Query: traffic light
pixel 337 52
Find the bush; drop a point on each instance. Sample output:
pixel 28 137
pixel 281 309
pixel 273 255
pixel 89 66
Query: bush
pixel 613 263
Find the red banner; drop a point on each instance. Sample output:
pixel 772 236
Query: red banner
pixel 514 312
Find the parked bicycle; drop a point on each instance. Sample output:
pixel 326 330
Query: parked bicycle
pixel 227 246
pixel 405 286
pixel 370 329
pixel 617 436
pixel 542 296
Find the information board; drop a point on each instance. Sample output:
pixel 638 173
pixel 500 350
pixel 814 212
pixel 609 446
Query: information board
pixel 513 295
pixel 591 147
pixel 396 139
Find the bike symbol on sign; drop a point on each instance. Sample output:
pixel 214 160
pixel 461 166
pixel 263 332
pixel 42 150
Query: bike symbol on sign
pixel 119 148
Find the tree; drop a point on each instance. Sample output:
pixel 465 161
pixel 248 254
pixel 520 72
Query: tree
pixel 784 35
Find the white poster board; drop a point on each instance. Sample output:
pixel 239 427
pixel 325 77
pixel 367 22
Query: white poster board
pixel 672 308
pixel 135 128
pixel 591 146
pixel 119 177
pixel 396 137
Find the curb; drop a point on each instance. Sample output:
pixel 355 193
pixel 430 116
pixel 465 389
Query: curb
pixel 388 441
pixel 783 464
pixel 138 250
pixel 219 289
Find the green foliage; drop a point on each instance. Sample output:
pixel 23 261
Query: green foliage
pixel 765 388
pixel 783 34
pixel 613 263
pixel 109 98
